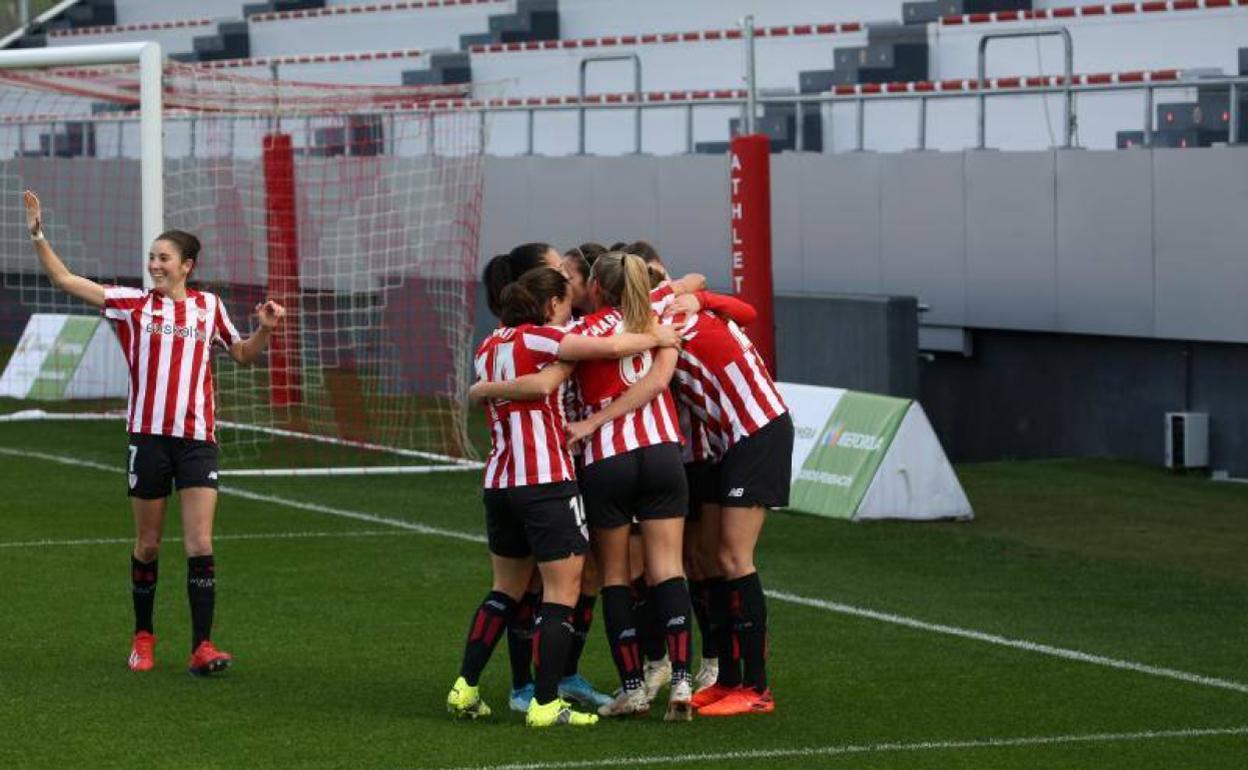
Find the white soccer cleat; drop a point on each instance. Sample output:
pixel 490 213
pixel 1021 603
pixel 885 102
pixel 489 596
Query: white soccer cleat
pixel 708 672
pixel 657 674
pixel 679 708
pixel 626 703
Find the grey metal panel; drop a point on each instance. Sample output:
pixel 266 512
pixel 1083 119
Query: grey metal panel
pixel 1011 262
pixel 626 200
pixel 923 249
pixel 841 223
pixel 864 342
pixel 560 201
pixel 693 216
pixel 788 221
pixel 504 215
pixel 1105 242
pixel 1199 206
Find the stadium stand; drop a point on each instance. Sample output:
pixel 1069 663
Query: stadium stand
pixel 533 49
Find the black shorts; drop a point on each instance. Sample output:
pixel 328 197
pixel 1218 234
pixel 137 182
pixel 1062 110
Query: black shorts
pixel 546 521
pixel 648 483
pixel 703 478
pixel 155 463
pixel 757 470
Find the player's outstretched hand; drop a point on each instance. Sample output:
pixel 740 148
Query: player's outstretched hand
pixel 34 215
pixel 270 314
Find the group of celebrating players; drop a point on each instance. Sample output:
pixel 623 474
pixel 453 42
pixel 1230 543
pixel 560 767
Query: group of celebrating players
pixel 637 439
pixel 630 419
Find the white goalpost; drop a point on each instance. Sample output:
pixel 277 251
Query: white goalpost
pixel 357 207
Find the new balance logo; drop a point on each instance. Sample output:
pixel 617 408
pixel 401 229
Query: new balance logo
pixel 212 475
pixel 736 492
pixel 679 620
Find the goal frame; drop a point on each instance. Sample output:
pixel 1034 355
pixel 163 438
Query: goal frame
pixel 151 61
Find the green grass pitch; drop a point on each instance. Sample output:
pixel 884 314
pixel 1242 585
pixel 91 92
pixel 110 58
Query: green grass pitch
pixel 347 632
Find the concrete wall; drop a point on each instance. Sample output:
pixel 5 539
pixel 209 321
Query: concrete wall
pixel 1140 243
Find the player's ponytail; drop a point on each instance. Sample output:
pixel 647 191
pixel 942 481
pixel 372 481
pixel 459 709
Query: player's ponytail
pixel 525 300
pixel 624 283
pixel 635 303
pixel 507 268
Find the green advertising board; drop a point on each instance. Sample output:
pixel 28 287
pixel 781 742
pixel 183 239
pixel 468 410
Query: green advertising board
pixel 63 358
pixel 835 475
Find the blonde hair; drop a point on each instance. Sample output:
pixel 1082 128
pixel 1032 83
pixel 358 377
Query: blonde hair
pixel 625 284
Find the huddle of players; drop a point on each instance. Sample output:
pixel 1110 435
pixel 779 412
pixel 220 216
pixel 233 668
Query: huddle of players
pixel 655 407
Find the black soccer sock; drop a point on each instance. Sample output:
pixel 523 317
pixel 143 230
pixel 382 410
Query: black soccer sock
pixel 488 624
pixel 520 640
pixel 143 589
pixel 552 640
pixel 617 613
pixel 725 638
pixel 750 622
pixel 649 629
pixel 201 590
pixel 582 619
pixel 699 595
pixel 672 607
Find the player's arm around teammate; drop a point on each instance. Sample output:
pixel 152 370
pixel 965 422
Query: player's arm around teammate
pixel 533 506
pixel 166 335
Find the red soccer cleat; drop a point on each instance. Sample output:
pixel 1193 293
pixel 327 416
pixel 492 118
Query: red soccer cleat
pixel 742 701
pixel 142 652
pixel 708 695
pixel 207 659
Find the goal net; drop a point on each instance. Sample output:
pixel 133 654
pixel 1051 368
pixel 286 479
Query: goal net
pixel 355 207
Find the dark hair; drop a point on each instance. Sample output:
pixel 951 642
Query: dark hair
pixel 507 268
pixel 625 284
pixel 578 262
pixel 188 245
pixel 618 246
pixel 592 250
pixel 644 250
pixel 524 301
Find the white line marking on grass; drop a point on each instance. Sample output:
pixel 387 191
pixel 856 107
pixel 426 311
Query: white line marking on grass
pixel 868 748
pixel 239 536
pixel 1004 641
pixel 273 499
pixel 783 596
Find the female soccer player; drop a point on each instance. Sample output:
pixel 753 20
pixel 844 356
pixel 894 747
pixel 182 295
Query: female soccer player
pixel 700 454
pixel 723 380
pixel 501 272
pixel 533 509
pixel 166 335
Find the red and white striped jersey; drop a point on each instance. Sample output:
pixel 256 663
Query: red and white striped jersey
pixel 601 382
pixel 168 345
pixel 723 379
pixel 701 445
pixel 528 441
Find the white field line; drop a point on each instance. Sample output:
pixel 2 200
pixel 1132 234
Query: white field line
pixel 35 415
pixel 783 596
pixel 868 748
pixel 1004 641
pixel 240 536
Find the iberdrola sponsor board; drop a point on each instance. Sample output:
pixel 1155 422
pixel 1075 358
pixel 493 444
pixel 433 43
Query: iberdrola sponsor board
pixel 865 456
pixel 848 451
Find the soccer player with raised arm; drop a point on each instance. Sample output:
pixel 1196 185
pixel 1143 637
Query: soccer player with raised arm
pixel 167 335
